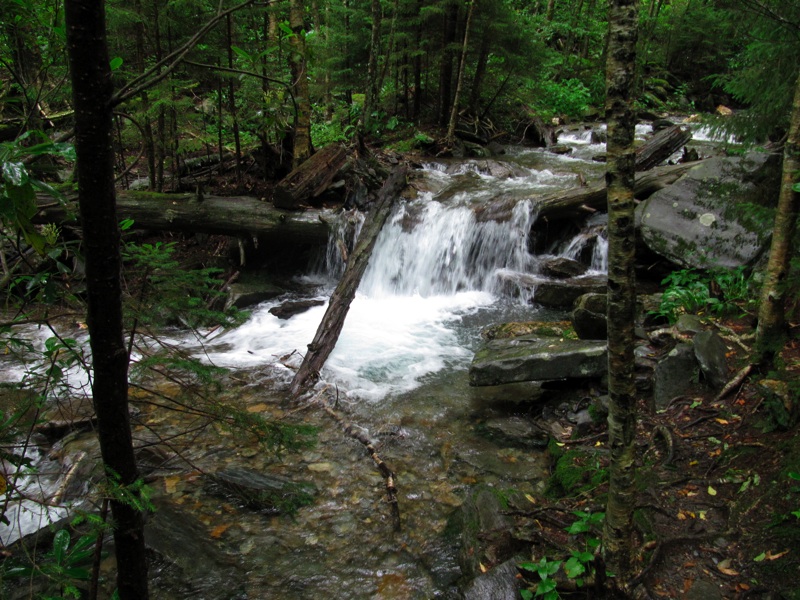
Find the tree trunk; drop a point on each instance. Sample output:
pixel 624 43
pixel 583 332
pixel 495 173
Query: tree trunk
pixel 92 88
pixel 620 70
pixel 446 67
pixel 451 128
pixel 339 305
pixel 480 70
pixel 238 215
pixel 771 330
pixel 372 68
pixel 301 148
pixel 661 146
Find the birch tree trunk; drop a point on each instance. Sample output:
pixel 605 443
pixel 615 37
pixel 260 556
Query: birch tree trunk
pixel 620 69
pixel 771 330
pixel 91 90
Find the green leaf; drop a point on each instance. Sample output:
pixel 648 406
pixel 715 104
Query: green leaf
pixel 760 557
pixel 242 54
pixel 526 594
pixel 578 527
pixel 60 545
pixel 796 188
pixel 15 173
pixel 115 63
pixel 545 586
pixel 574 567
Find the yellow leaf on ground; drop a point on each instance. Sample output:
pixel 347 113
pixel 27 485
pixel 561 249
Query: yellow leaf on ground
pixel 771 556
pixel 254 408
pixel 219 530
pixel 171 484
pixel 712 491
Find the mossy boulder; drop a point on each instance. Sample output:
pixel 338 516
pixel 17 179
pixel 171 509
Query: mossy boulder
pixel 711 216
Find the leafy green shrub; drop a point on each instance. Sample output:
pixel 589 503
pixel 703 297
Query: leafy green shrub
pixel 570 97
pixel 719 291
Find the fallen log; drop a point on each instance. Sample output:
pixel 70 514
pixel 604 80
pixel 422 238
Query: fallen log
pixel 333 321
pixel 311 178
pixel 235 215
pixel 661 146
pixel 581 201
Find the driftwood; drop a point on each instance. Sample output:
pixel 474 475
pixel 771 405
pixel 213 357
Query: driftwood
pixel 339 305
pixel 661 146
pixel 210 214
pixel 580 201
pixel 311 178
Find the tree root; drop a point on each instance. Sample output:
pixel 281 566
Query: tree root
pixel 736 381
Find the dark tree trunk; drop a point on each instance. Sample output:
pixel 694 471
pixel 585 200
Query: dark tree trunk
pixel 311 178
pixel 92 89
pixel 301 146
pixel 620 69
pixel 446 68
pixel 339 305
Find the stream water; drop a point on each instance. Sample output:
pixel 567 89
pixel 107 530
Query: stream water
pixel 401 365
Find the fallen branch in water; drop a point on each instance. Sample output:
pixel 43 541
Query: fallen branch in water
pixel 358 434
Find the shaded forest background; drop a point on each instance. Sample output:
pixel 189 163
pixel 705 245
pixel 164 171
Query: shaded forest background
pixel 269 82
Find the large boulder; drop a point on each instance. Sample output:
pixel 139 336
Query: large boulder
pixel 533 358
pixel 589 317
pixel 702 220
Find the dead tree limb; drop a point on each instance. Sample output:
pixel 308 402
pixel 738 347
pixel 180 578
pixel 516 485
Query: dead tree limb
pixel 358 434
pixel 339 305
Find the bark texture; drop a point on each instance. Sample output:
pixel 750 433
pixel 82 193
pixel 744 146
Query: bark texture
pixel 301 148
pixel 339 305
pixel 620 69
pixel 771 330
pixel 92 89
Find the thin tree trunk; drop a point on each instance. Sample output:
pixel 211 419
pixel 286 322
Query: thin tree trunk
pixel 771 330
pixel 446 68
pixel 232 105
pixel 301 148
pixel 480 71
pixel 620 70
pixel 451 128
pixel 92 88
pixel 149 145
pixel 372 68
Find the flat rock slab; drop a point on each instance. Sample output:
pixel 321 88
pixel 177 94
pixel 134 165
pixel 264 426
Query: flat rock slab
pixel 534 358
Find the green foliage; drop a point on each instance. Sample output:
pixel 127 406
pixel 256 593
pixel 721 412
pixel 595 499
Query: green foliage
pixel 575 471
pixel 62 567
pixel 578 566
pixel 19 186
pixel 568 98
pixel 718 291
pixel 171 294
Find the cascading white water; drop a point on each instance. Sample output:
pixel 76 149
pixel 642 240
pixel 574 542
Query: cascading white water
pixel 445 251
pixel 434 265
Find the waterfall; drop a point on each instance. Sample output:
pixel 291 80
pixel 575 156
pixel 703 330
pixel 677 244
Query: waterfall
pixel 430 249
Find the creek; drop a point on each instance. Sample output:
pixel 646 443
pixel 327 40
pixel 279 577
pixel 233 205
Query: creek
pixel 434 281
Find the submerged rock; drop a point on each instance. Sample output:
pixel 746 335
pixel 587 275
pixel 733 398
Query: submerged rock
pixel 515 431
pixel 261 491
pixel 532 358
pixel 289 309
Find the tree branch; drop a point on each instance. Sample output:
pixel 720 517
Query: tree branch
pixel 155 73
